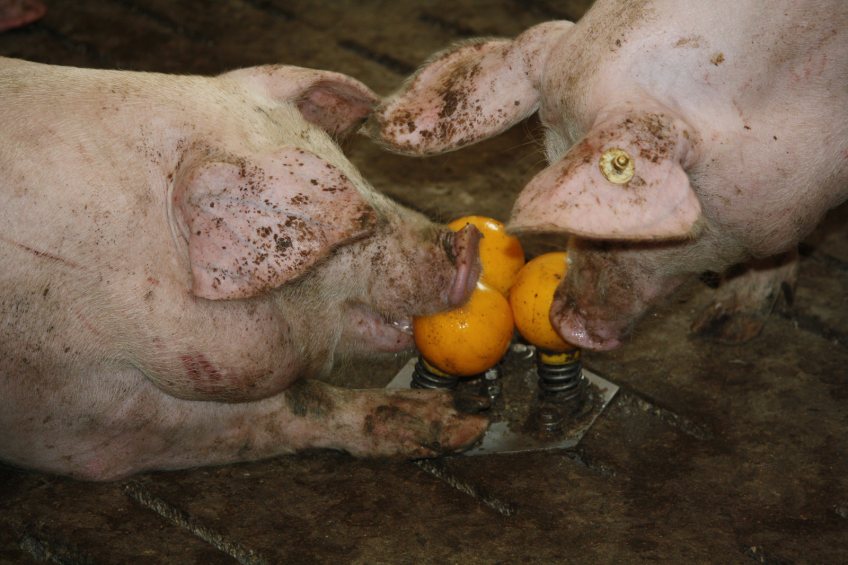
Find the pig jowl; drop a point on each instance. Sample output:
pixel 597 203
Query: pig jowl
pixel 180 254
pixel 734 141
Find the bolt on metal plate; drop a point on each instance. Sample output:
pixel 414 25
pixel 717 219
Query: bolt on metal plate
pixel 529 425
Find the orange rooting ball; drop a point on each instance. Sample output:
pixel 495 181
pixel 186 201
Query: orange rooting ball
pixel 470 339
pixel 531 297
pixel 501 254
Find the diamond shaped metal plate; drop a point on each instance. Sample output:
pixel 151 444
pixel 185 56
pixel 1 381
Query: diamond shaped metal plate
pixel 514 410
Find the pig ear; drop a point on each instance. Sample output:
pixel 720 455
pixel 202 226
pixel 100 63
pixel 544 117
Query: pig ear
pixel 253 225
pixel 466 94
pixel 624 180
pixel 332 101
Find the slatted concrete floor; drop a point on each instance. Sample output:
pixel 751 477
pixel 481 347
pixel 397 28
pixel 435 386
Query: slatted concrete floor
pixel 711 454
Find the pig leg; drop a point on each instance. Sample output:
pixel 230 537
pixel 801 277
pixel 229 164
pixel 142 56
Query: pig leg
pixel 17 13
pixel 149 429
pixel 745 299
pixel 398 424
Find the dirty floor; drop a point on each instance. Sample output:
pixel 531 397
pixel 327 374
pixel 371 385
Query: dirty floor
pixel 710 454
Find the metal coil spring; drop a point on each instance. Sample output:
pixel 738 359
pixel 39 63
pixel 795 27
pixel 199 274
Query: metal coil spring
pixel 566 381
pixel 423 377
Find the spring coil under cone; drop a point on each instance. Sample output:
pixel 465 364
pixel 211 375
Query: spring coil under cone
pixel 428 377
pixel 561 374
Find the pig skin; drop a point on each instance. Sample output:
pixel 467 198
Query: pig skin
pixel 734 112
pixel 131 340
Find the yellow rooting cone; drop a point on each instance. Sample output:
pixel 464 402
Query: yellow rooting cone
pixel 470 339
pixel 531 297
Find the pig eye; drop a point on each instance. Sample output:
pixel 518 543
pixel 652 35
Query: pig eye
pixel 617 165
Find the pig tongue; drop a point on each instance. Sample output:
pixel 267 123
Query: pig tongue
pixel 465 248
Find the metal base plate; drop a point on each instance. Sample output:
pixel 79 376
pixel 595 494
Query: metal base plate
pixel 514 410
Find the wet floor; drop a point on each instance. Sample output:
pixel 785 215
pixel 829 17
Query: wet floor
pixel 708 454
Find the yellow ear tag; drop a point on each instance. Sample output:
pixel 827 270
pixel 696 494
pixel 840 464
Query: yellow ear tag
pixel 617 165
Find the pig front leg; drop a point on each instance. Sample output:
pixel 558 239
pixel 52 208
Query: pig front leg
pixel 17 13
pixel 746 297
pixel 388 423
pixel 156 431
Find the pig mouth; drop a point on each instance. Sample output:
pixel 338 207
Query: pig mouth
pixel 573 324
pixel 574 329
pixel 376 331
pixel 381 332
pixel 403 325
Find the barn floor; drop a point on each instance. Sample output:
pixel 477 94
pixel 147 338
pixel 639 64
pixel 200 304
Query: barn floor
pixel 709 454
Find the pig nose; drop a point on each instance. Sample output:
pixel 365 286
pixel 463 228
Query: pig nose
pixel 465 251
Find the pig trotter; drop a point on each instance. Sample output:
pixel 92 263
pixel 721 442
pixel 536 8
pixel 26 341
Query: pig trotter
pixel 746 297
pixel 731 322
pixel 411 424
pixel 468 404
pixel 17 13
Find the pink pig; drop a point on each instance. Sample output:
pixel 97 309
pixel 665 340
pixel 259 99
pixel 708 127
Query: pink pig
pixel 733 120
pixel 178 252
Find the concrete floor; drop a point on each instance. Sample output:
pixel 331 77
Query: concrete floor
pixel 709 454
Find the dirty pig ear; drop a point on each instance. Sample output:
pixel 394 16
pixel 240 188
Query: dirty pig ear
pixel 254 224
pixel 466 94
pixel 624 180
pixel 332 101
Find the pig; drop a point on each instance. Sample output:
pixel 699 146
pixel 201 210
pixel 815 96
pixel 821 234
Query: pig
pixel 731 122
pixel 17 13
pixel 181 254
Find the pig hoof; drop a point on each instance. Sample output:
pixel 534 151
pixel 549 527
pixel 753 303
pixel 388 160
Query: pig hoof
pixel 730 326
pixel 746 298
pixel 469 404
pixel 417 424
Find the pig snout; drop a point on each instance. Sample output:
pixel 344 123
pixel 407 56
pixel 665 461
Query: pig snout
pixel 464 248
pixel 588 310
pixel 585 326
pixel 413 281
pixel 608 288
